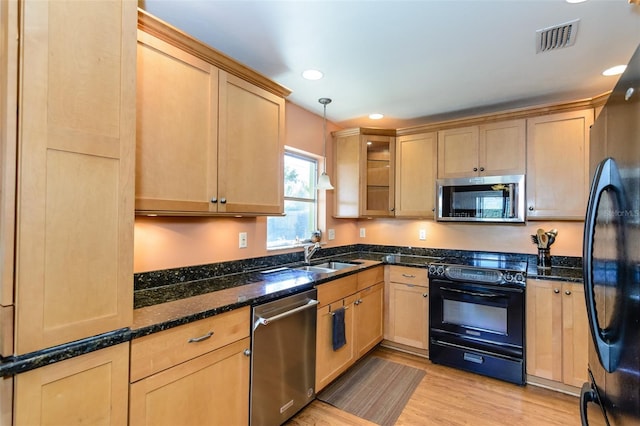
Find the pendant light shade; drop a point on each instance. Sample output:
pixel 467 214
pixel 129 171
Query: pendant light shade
pixel 323 181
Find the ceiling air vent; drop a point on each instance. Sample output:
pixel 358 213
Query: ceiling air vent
pixel 557 37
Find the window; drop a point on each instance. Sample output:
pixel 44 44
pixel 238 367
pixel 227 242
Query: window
pixel 300 203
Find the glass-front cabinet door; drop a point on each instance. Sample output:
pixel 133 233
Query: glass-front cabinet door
pixel 377 175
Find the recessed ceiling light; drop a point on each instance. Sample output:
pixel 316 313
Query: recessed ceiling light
pixel 376 116
pixel 617 70
pixel 312 74
pixel 576 1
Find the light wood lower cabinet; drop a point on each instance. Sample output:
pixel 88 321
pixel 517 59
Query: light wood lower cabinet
pixel 194 374
pixel 362 296
pixel 90 389
pixel 408 311
pixel 329 363
pixel 368 309
pixel 212 389
pixel 557 332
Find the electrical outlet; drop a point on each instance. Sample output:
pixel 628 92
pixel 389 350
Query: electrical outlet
pixel 332 234
pixel 242 240
pixel 363 232
pixel 422 235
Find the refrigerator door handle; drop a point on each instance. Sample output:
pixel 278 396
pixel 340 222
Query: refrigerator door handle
pixel 607 347
pixel 588 396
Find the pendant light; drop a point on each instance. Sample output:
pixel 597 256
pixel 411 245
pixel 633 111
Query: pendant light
pixel 323 181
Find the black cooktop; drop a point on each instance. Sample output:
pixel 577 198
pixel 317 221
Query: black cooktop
pixel 497 263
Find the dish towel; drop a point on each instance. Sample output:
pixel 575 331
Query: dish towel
pixel 339 338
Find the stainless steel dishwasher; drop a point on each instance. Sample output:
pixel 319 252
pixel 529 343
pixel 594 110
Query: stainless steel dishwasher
pixel 283 358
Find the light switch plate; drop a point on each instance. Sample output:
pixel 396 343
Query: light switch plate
pixel 331 234
pixel 422 235
pixel 242 240
pixel 363 232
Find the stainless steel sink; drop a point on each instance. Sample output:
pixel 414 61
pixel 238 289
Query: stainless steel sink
pixel 337 265
pixel 316 269
pixel 328 267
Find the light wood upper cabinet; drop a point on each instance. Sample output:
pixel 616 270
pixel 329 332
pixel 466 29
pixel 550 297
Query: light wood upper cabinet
pixel 91 389
pixel 364 168
pixel 486 150
pixel 557 332
pixel 416 164
pixel 250 148
pixel 458 152
pixel 74 238
pixel 210 134
pixel 558 165
pixel 177 129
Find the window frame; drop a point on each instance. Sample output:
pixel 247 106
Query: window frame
pixel 312 159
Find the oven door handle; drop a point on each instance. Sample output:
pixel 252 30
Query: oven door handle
pixel 473 293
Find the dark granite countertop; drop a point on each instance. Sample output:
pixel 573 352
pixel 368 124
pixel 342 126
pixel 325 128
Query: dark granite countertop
pixel 170 306
pixel 166 299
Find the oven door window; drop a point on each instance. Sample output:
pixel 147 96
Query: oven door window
pixel 472 315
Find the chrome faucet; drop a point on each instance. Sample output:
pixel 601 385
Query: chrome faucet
pixel 309 250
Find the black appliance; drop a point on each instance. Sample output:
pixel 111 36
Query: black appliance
pixel 611 259
pixel 476 315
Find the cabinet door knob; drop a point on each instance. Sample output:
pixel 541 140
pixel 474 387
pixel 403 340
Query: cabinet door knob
pixel 530 208
pixel 392 209
pixel 567 292
pixel 556 291
pixel 425 294
pixel 247 352
pixel 223 200
pixel 475 169
pixel 482 169
pixel 214 200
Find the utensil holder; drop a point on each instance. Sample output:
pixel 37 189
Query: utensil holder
pixel 544 258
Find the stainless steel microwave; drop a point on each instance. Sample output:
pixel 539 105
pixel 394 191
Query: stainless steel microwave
pixel 481 199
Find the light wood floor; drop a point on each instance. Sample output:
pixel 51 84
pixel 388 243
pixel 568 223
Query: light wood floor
pixel 447 396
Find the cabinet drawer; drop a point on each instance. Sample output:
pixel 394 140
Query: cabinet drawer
pixel 408 275
pixel 337 289
pixel 370 277
pixel 159 351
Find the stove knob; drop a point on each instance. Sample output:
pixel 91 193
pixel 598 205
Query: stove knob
pixel 432 269
pixel 519 277
pixel 440 270
pixel 508 277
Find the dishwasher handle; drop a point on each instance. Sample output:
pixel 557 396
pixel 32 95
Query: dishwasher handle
pixel 267 321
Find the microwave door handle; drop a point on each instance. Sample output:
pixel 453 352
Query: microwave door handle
pixel 512 208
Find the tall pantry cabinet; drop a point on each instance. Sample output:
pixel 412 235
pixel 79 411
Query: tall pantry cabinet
pixel 73 85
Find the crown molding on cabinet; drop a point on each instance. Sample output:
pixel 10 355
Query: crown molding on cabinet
pixel 168 33
pixel 512 114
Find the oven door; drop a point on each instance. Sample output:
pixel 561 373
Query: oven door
pixel 487 317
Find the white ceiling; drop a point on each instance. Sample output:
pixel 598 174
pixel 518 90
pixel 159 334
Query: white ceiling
pixel 415 61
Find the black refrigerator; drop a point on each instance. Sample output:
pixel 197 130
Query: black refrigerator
pixel 611 259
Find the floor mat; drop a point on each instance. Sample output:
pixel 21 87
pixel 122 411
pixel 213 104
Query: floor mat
pixel 374 389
